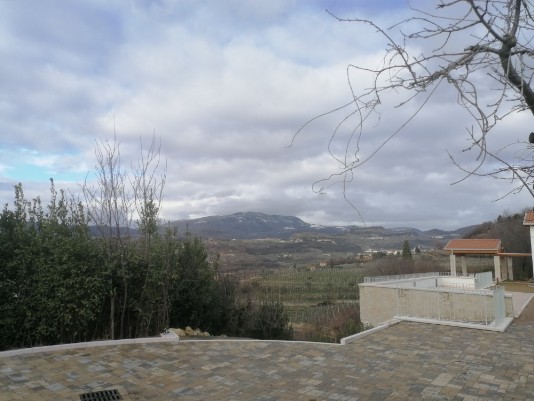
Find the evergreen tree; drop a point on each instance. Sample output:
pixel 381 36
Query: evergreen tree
pixel 194 292
pixel 406 250
pixel 50 283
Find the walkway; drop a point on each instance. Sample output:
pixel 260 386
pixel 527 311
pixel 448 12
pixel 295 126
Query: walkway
pixel 406 361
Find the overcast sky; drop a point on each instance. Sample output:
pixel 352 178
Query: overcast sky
pixel 225 85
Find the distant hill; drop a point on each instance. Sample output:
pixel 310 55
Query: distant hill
pixel 459 232
pixel 255 225
pixel 250 225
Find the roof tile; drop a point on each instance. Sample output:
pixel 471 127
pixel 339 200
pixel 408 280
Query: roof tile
pixel 529 218
pixel 474 245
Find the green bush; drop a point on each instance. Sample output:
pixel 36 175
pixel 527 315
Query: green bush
pixel 267 321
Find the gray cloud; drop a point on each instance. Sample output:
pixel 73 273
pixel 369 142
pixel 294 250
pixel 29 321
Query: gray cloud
pixel 226 85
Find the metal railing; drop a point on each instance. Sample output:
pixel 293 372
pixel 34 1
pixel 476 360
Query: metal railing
pixel 475 306
pixel 378 279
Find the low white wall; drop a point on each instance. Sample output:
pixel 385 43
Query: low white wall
pixel 379 304
pixel 465 282
pixel 432 282
pixel 415 283
pixel 508 305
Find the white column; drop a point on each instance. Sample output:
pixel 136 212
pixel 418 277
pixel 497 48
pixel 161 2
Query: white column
pixel 510 269
pixel 497 263
pixel 532 247
pixel 453 265
pixel 464 265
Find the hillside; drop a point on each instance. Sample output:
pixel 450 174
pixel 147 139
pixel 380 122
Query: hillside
pixel 256 240
pixel 251 225
pixel 255 225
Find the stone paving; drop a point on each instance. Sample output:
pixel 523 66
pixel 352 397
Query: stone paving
pixel 407 361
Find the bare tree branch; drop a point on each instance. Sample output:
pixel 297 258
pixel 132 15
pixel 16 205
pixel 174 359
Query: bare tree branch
pixel 480 48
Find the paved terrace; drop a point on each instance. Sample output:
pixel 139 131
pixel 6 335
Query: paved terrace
pixel 407 361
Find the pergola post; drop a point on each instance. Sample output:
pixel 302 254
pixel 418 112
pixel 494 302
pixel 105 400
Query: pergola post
pixel 504 270
pixel 510 269
pixel 497 263
pixel 463 262
pixel 453 265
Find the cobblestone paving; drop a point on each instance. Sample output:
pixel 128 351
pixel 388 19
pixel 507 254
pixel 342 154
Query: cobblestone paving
pixel 407 361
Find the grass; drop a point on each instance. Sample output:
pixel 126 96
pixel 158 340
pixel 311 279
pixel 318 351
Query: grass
pixel 321 286
pixel 518 286
pixel 323 303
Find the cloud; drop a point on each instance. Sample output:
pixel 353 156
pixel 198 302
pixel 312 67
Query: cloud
pixel 226 86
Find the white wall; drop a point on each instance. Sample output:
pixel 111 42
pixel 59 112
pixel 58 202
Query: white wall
pixel 379 304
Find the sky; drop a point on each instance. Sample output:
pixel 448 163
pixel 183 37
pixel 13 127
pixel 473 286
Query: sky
pixel 225 86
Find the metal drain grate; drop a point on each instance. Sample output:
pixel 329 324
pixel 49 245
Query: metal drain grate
pixel 104 395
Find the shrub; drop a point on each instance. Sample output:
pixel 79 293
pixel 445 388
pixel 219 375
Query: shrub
pixel 267 320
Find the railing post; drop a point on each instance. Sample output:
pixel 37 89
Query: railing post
pixel 439 305
pixel 398 301
pixel 498 304
pixel 485 309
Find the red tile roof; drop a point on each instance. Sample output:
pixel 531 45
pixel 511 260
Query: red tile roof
pixel 529 218
pixel 488 246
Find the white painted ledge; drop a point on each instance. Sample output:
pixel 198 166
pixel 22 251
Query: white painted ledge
pixel 362 334
pixel 490 327
pixel 90 344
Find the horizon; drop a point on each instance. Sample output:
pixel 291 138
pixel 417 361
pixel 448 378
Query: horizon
pixel 333 225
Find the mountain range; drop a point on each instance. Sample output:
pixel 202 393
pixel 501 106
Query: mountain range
pixel 255 225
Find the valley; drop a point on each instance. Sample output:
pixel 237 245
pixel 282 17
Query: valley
pixel 251 241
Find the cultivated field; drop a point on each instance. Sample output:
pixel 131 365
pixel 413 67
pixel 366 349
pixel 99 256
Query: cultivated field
pixel 323 302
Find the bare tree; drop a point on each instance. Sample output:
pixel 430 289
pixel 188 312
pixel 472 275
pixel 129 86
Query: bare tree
pixel 108 199
pixel 109 207
pixel 115 197
pixel 148 182
pixel 480 48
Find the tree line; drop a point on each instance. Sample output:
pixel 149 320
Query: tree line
pixel 515 237
pixel 102 267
